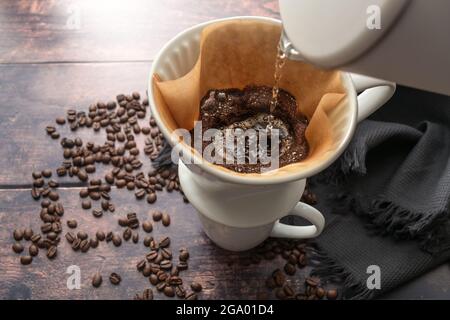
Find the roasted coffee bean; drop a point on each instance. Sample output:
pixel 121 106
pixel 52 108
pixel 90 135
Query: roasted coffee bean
pixel 320 293
pixel 165 242
pixel 160 286
pixel 151 197
pixel 182 266
pixel 52 235
pixel 52 252
pixel 184 255
pixel 35 194
pixel 152 255
pixel 114 278
pixel 191 296
pixel 27 234
pixel 85 245
pixel 60 120
pixel 35 238
pixel 109 236
pixel 140 194
pixel 180 291
pixel 25 260
pixel 332 294
pixel 59 209
pixel 93 242
pixel 147 294
pixel 82 235
pixel 123 221
pixel 54 196
pixel 127 233
pixel 147 226
pixel 61 171
pixel 97 280
pixel 165 220
pixel 72 223
pixel 141 265
pixel 86 204
pixel 279 277
pixel 45 203
pixel 100 235
pixel 53 183
pixel 47 173
pixel 17 247
pixel 169 291
pixel 147 270
pixel 36 175
pixel 166 265
pixel 46 227
pixel 105 205
pixel 290 269
pixel 312 282
pixel 135 238
pixel 84 193
pixel 147 241
pixel 154 279
pixel 166 253
pixel 18 234
pixel 157 215
pixel 97 213
pixel 70 237
pixel 195 286
pixel 38 183
pixel 116 240
pixel 76 244
pixel 33 250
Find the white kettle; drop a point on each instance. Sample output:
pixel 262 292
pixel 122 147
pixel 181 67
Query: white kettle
pixel 404 41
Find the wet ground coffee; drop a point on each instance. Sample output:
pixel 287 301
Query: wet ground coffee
pixel 250 109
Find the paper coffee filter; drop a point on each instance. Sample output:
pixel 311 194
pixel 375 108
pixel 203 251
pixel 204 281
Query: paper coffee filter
pixel 237 53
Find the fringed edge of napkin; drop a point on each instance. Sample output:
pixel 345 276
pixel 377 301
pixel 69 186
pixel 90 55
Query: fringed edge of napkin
pixel 329 270
pixel 384 217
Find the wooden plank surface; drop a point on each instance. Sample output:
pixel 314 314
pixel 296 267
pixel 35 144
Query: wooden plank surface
pixel 106 30
pixel 47 67
pixel 220 272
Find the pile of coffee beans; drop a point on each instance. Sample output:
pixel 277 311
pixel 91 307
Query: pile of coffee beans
pixel 119 119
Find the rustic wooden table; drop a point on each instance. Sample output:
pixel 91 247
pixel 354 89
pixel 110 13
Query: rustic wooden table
pixel 57 54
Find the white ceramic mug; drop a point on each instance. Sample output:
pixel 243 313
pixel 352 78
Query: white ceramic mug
pixel 239 212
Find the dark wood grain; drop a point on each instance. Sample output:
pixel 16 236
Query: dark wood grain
pixel 32 96
pixel 110 30
pixel 221 273
pixel 47 68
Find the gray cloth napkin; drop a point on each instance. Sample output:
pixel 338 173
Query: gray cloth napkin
pixel 387 199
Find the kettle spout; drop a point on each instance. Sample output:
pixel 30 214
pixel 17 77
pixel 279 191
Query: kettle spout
pixel 288 48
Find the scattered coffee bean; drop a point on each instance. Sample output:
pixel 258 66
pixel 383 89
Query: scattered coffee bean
pixel 116 240
pixel 25 260
pixel 147 226
pixel 27 234
pixel 17 247
pixel 47 173
pixel 52 252
pixel 191 296
pixel 86 204
pixel 72 223
pixel 60 120
pixel 169 291
pixel 33 250
pixel 82 235
pixel 18 234
pixel 100 235
pixel 290 269
pixel 115 279
pixel 197 287
pixel 332 294
pixel 151 198
pixel 166 220
pixel 97 280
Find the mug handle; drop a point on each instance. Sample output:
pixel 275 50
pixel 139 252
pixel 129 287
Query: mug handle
pixel 373 93
pixel 281 230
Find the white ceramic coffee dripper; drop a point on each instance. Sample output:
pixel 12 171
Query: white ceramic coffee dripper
pixel 237 211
